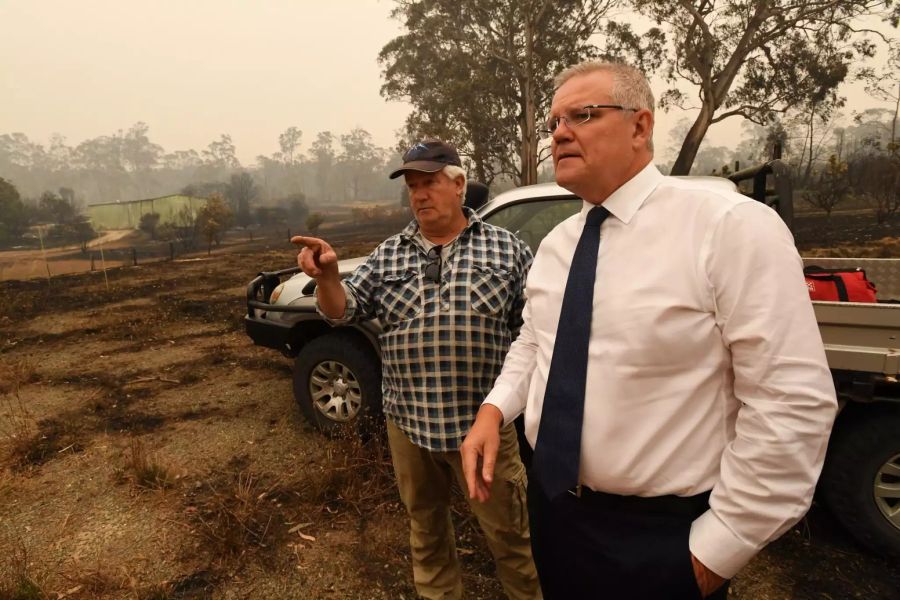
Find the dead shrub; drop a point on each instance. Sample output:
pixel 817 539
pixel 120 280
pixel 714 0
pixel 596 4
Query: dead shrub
pixel 16 583
pixel 243 513
pixel 143 470
pixel 52 438
pixel 18 424
pixel 22 588
pixel 357 473
pixel 16 373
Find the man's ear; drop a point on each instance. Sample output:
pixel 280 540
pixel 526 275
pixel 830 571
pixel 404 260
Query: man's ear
pixel 643 127
pixel 460 182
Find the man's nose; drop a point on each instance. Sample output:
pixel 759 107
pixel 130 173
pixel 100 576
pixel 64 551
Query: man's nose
pixel 562 132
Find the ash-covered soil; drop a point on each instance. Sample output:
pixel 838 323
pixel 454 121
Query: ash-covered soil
pixel 149 450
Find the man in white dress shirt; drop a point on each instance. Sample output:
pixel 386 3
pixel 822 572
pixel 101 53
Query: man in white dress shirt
pixel 707 400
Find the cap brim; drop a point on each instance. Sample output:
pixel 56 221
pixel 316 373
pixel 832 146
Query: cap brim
pixel 423 166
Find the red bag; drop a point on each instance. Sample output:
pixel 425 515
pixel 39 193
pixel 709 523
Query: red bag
pixel 839 285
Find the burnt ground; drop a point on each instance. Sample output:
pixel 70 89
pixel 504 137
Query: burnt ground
pixel 851 233
pixel 148 450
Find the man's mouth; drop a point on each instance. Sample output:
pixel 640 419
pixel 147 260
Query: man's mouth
pixel 563 155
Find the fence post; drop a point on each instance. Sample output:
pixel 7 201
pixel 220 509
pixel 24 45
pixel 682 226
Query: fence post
pixel 92 261
pixel 134 255
pixel 289 235
pixel 171 250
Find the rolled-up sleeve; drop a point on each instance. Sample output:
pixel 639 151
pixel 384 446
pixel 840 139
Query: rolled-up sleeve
pixel 359 289
pixel 768 472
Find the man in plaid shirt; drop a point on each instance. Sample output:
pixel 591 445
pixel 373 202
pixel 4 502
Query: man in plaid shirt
pixel 448 291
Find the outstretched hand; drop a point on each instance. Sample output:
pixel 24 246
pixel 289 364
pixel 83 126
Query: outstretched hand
pixel 317 258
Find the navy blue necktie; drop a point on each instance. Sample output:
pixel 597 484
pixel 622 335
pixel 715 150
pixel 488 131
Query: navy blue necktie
pixel 558 449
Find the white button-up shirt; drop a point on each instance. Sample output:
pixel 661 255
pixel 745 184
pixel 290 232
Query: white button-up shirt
pixel 706 369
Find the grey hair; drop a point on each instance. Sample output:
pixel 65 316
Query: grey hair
pixel 452 171
pixel 630 86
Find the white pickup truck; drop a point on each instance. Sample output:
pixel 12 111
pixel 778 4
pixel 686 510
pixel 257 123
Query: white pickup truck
pixel 337 371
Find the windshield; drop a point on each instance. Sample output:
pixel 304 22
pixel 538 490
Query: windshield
pixel 532 220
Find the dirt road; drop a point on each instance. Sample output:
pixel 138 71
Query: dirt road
pixel 148 450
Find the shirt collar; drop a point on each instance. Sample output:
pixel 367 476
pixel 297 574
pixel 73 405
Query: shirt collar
pixel 627 200
pixel 409 232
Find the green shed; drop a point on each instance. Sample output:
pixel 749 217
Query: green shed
pixel 127 215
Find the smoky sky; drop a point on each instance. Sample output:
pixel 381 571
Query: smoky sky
pixel 195 69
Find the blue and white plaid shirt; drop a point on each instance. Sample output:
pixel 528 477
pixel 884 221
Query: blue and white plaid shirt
pixel 442 344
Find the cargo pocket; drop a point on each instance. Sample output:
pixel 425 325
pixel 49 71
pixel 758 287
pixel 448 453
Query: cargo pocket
pixel 519 502
pixel 399 298
pixel 490 290
pixel 516 479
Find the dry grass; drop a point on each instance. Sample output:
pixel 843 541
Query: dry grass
pixel 142 469
pixel 887 247
pixel 17 424
pixel 159 592
pixel 53 438
pixel 239 515
pixel 30 441
pixel 246 513
pixel 16 373
pixel 358 473
pixel 91 583
pixel 96 582
pixel 16 582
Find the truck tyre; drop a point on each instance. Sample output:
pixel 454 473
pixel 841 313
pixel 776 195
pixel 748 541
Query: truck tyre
pixel 337 383
pixel 861 479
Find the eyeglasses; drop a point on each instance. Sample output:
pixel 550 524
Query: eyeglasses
pixel 576 117
pixel 432 271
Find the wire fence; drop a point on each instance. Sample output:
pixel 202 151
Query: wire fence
pixel 34 263
pixel 62 261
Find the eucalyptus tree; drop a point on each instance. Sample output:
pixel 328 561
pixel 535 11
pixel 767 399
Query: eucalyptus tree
pixel 241 193
pixel 359 160
pixel 480 72
pixel 322 156
pixel 289 141
pixel 756 58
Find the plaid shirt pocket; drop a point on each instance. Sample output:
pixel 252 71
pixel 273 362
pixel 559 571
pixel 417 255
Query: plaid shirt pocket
pixel 489 290
pixel 399 297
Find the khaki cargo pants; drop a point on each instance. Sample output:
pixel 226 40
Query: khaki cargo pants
pixel 424 478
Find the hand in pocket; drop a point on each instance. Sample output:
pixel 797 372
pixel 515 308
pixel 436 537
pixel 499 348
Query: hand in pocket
pixel 707 581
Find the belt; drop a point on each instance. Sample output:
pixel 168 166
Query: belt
pixel 691 506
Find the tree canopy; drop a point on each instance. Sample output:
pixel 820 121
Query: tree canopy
pixel 480 73
pixel 13 216
pixel 754 58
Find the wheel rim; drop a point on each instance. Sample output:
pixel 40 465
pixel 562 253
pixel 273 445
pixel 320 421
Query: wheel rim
pixel 887 490
pixel 335 391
